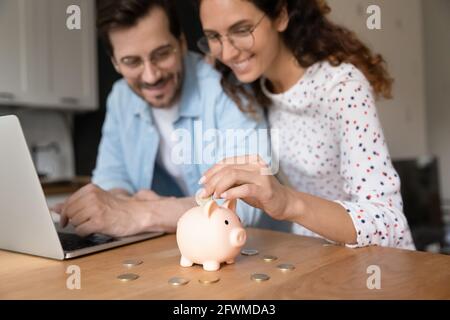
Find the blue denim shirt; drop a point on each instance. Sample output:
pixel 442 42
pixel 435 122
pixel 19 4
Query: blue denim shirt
pixel 129 144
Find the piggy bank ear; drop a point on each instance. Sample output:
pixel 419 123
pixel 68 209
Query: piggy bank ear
pixel 230 204
pixel 209 208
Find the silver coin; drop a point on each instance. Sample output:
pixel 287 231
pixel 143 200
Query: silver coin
pixel 178 281
pixel 286 267
pixel 249 252
pixel 127 277
pixel 201 201
pixel 259 277
pixel 209 280
pixel 269 258
pixel 131 263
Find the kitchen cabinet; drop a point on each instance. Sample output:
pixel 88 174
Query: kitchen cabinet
pixel 43 63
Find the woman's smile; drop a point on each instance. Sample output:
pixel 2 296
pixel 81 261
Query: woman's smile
pixel 242 66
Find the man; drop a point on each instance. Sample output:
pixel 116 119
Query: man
pixel 164 89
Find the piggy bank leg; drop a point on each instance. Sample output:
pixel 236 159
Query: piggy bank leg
pixel 211 266
pixel 185 262
pixel 230 261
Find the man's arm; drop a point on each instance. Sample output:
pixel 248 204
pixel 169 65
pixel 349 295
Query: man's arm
pixel 110 172
pixel 93 210
pixel 166 212
pixel 160 207
pixel 120 193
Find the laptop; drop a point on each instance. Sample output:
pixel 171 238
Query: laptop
pixel 26 223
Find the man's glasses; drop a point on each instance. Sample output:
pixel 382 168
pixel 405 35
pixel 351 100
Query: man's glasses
pixel 162 58
pixel 241 38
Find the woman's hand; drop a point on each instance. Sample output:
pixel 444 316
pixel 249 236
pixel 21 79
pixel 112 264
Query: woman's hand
pixel 247 178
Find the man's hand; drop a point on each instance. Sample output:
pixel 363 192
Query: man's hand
pixel 120 193
pixel 57 208
pixel 93 210
pixel 147 195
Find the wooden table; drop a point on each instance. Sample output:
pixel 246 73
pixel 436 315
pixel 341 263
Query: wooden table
pixel 322 272
pixel 64 187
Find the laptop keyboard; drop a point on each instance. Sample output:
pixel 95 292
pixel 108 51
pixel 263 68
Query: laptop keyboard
pixel 72 242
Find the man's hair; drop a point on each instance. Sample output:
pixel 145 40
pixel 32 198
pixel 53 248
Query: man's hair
pixel 116 14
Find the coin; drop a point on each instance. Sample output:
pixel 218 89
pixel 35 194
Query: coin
pixel 259 277
pixel 209 280
pixel 286 267
pixel 269 258
pixel 177 281
pixel 127 277
pixel 201 201
pixel 249 252
pixel 131 263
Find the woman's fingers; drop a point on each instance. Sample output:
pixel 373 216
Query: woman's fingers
pixel 211 172
pixel 227 178
pixel 246 161
pixel 241 192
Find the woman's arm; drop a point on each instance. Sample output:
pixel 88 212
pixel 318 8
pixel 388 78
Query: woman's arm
pixel 232 180
pixel 370 209
pixel 326 218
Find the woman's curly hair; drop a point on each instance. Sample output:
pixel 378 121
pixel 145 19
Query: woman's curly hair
pixel 312 37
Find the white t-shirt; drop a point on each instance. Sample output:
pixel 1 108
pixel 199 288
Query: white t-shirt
pixel 164 119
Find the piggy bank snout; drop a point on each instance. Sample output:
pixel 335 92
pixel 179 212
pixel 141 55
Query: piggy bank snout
pixel 238 237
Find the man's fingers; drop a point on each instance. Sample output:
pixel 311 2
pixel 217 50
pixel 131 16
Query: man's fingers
pixel 63 221
pixel 88 189
pixel 70 210
pixel 85 229
pixel 73 199
pixel 57 208
pixel 80 218
pixel 73 209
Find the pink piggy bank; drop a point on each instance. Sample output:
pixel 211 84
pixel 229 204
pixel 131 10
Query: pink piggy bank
pixel 209 235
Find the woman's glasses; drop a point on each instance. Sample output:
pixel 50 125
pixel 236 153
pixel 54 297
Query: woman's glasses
pixel 241 38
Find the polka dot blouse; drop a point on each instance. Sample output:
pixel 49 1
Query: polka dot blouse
pixel 330 144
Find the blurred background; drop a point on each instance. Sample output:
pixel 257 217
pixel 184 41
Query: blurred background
pixel 56 81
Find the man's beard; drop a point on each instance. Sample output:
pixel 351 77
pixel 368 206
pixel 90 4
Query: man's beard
pixel 176 77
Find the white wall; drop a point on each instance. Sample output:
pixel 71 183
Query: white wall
pixel 400 41
pixel 437 53
pixel 42 127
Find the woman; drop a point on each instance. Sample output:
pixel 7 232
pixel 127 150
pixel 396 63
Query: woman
pixel 319 84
